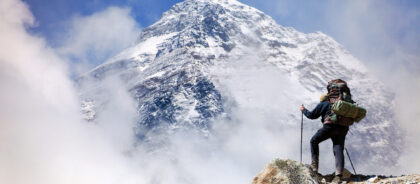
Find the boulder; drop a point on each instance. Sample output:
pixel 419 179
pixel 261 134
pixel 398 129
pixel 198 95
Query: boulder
pixel 286 171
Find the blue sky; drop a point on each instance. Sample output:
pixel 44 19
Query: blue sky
pixel 378 32
pixel 306 16
pixel 50 14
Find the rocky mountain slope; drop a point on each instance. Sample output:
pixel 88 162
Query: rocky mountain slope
pixel 171 74
pixel 281 171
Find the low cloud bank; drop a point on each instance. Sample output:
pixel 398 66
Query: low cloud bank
pixel 43 139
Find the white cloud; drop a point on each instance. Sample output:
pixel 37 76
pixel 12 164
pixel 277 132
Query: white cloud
pixel 42 137
pixel 93 38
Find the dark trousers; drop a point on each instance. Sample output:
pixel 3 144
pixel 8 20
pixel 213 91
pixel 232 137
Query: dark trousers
pixel 337 134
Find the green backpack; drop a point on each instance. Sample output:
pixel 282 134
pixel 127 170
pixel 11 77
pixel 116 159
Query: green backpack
pixel 349 110
pixel 343 110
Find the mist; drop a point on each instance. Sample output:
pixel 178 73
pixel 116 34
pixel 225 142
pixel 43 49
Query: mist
pixel 381 34
pixel 44 138
pixel 385 37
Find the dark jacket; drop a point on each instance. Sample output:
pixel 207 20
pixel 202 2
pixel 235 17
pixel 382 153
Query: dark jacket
pixel 322 109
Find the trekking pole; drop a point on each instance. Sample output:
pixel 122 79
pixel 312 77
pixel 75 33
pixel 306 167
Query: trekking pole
pixel 301 136
pixel 350 161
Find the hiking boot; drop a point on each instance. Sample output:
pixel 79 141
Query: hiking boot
pixel 314 166
pixel 337 179
pixel 339 172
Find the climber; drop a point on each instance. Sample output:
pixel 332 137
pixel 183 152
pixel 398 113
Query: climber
pixel 335 131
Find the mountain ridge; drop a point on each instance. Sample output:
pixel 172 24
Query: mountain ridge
pixel 169 73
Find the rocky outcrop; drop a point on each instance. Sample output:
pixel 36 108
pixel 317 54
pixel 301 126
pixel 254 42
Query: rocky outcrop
pixel 285 171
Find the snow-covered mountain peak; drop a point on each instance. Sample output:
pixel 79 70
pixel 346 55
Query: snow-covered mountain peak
pixel 228 4
pixel 207 24
pixel 235 2
pixel 170 73
pixel 220 26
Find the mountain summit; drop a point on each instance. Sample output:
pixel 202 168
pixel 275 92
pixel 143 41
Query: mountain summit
pixel 171 72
